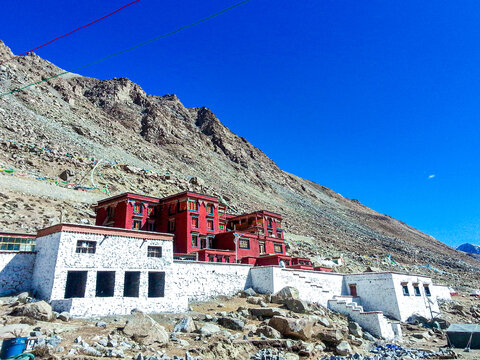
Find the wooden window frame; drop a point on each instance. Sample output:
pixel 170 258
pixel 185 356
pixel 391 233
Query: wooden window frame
pixel 275 248
pixel 246 241
pixel 80 249
pixel 135 204
pixel 154 251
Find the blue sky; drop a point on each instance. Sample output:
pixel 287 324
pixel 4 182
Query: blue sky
pixel 368 98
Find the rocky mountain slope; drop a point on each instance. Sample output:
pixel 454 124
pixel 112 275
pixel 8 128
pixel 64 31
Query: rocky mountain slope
pixel 112 136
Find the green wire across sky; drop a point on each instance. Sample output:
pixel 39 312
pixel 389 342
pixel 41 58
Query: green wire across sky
pixel 127 50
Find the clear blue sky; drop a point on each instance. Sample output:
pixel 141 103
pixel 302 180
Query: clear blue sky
pixel 368 98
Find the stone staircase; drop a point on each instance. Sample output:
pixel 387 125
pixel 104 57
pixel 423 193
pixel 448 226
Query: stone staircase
pixel 372 321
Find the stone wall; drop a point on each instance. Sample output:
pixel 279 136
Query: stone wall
pixel 16 270
pixel 204 280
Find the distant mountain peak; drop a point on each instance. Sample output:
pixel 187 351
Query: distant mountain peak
pixel 469 248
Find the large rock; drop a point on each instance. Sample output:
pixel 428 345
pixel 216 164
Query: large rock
pixel 293 328
pixel 269 332
pixel 144 330
pixel 330 336
pixel 343 349
pixel 38 310
pixel 296 305
pixel 287 292
pixel 231 323
pixel 355 329
pixel 267 312
pixel 209 329
pixel 186 325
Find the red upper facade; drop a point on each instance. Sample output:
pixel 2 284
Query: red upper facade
pixel 200 226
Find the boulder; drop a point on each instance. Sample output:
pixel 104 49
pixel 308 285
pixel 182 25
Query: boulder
pixel 209 329
pixel 287 292
pixel 254 300
pixel 186 325
pixel 144 330
pixel 39 310
pixel 268 332
pixel 331 337
pixel 23 298
pixel 343 349
pixel 231 323
pixel 267 312
pixel 323 321
pixel 355 329
pixel 293 328
pixel 296 305
pixel 64 316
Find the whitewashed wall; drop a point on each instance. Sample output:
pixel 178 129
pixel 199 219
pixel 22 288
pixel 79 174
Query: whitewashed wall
pixel 410 305
pixel 442 292
pixel 113 253
pixel 313 286
pixel 16 269
pixel 204 280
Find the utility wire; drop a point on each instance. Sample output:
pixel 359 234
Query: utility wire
pixel 129 49
pixel 71 32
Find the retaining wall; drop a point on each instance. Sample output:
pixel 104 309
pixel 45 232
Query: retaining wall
pixel 16 269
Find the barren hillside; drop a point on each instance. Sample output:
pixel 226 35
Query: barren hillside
pixel 112 136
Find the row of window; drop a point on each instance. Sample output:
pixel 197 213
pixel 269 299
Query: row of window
pixel 191 205
pixel 245 244
pixel 105 284
pixel 137 225
pixel 202 242
pixel 17 244
pixel 416 290
pixel 219 258
pixel 138 209
pixel 90 247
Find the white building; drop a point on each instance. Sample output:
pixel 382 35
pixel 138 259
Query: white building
pixel 93 270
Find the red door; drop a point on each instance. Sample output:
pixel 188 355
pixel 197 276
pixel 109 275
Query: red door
pixel 353 289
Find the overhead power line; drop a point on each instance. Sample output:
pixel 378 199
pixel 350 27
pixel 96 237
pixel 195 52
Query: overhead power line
pixel 71 32
pixel 129 49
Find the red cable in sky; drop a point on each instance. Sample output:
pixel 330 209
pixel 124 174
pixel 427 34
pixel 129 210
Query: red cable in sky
pixel 71 32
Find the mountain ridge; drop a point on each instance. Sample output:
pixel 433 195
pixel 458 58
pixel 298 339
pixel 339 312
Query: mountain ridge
pixel 116 121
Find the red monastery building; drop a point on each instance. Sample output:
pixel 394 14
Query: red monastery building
pixel 203 230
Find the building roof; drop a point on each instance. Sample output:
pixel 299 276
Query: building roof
pixel 191 194
pixel 129 195
pixel 8 234
pixel 264 212
pixel 104 230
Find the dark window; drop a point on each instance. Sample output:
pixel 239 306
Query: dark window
pixel 138 208
pixel 137 224
pixel 210 225
pixel 171 225
pixel 151 226
pixel 110 211
pixel 86 247
pixel 76 284
pixel 278 248
pixel 171 209
pixel 154 251
pixel 151 211
pixel 156 284
pixel 427 291
pixel 105 284
pixel 219 258
pixel 210 209
pixel 227 259
pixel 244 244
pixel 195 222
pixel 211 258
pixel 269 223
pixel 416 290
pixel 131 287
pixel 195 240
pixel 210 242
pixel 405 290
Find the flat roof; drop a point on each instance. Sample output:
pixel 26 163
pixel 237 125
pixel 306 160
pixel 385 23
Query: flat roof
pixel 259 211
pixel 127 195
pixel 9 234
pixel 190 193
pixel 104 230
